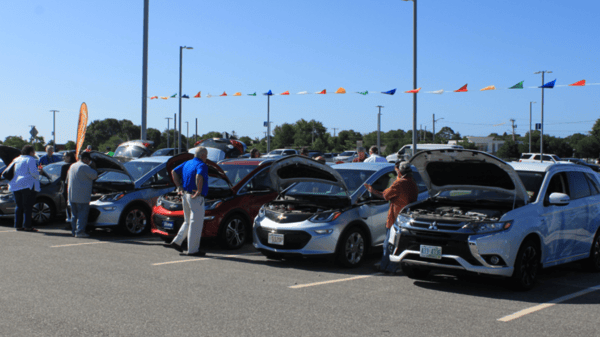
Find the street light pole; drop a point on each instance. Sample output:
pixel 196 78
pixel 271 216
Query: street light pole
pixel 435 120
pixel 168 130
pixel 379 128
pixel 543 72
pixel 53 129
pixel 187 135
pixel 414 138
pixel 196 135
pixel 530 103
pixel 181 48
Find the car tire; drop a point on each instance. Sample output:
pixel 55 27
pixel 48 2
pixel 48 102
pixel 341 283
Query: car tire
pixel 414 272
pixel 135 220
pixel 233 232
pixel 527 265
pixel 352 248
pixel 43 211
pixel 592 263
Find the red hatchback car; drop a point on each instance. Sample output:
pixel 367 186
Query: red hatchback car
pixel 237 189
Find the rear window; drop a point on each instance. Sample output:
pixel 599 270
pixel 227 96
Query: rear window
pixel 525 156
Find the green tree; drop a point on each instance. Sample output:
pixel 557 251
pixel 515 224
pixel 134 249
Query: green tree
pixel 509 149
pixel 15 141
pixel 70 145
pixel 246 140
pixel 283 135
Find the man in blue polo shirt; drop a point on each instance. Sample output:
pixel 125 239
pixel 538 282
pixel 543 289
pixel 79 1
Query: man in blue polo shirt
pixel 49 157
pixel 191 179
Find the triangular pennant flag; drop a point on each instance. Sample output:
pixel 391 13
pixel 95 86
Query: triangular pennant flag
pixel 578 84
pixel 390 92
pixel 164 97
pixel 268 93
pixel 198 94
pixel 462 89
pixel 223 94
pixel 322 92
pixel 364 93
pixel 174 96
pixel 517 86
pixel 341 91
pixel 303 93
pixel 438 92
pixel 414 91
pixel 185 96
pixel 549 85
pixel 209 95
pixel 154 97
pixel 254 94
pixel 285 93
pixel 237 94
pixel 490 87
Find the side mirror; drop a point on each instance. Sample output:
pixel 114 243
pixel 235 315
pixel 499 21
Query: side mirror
pixel 559 199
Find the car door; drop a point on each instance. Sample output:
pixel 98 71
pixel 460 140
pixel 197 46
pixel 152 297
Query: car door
pixel 580 217
pixel 375 209
pixel 554 219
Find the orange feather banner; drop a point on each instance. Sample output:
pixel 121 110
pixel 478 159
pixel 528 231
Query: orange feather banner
pixel 81 127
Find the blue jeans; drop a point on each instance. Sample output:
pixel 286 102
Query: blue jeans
pixel 24 199
pixel 386 265
pixel 80 216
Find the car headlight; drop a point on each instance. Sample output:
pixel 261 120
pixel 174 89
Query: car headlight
pixel 401 220
pixel 8 197
pixel 212 205
pixel 488 227
pixel 261 211
pixel 112 197
pixel 325 216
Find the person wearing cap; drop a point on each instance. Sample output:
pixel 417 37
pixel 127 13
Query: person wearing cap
pixel 361 155
pixel 402 192
pixel 374 156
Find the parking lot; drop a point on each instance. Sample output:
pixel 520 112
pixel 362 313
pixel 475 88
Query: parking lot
pixel 113 285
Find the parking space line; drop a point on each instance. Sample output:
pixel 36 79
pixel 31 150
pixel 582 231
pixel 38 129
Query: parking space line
pixel 202 258
pixel 542 306
pixel 332 281
pixel 13 231
pixel 94 243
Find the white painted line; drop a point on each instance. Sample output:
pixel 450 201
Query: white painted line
pixel 332 281
pixel 13 231
pixel 202 258
pixel 542 306
pixel 94 243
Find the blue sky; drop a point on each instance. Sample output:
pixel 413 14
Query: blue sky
pixel 58 54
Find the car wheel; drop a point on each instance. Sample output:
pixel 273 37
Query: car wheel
pixel 351 248
pixel 233 232
pixel 593 262
pixel 526 266
pixel 42 212
pixel 415 273
pixel 134 220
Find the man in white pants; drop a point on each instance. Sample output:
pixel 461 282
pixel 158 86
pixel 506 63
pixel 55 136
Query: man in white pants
pixel 191 179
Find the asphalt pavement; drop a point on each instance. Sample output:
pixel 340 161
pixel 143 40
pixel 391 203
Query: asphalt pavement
pixel 112 285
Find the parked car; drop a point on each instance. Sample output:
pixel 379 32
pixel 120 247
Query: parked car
pixel 345 156
pixel 536 157
pixel 406 152
pixel 581 162
pixel 133 149
pixel 280 153
pixel 168 151
pixel 328 157
pixel 124 194
pixel 315 154
pixel 490 217
pixel 325 211
pixel 221 148
pixel 237 189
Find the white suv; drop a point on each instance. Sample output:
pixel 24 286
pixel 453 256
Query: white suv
pixel 525 157
pixel 487 216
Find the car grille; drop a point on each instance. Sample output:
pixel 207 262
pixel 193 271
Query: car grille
pixel 440 225
pixel 287 217
pixel 291 239
pixel 93 215
pixel 158 222
pixel 451 243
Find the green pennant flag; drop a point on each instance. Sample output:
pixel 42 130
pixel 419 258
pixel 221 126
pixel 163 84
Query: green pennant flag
pixel 174 95
pixel 363 93
pixel 254 94
pixel 517 86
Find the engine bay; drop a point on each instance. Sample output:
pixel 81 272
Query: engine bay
pixel 427 212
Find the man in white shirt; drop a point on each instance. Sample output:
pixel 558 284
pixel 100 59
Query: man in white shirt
pixel 374 157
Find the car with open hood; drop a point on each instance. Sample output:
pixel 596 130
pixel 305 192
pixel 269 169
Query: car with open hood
pixel 221 148
pixel 237 189
pixel 325 210
pixel 49 202
pixel 124 193
pixel 490 217
pixel 133 149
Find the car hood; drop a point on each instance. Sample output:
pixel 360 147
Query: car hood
pixel 8 154
pixel 297 168
pixel 106 163
pixel 456 169
pixel 213 169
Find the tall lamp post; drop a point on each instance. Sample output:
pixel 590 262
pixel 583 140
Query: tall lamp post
pixel 181 48
pixel 542 130
pixel 433 131
pixel 145 71
pixel 414 136
pixel 54 129
pixel 379 128
pixel 168 129
pixel 530 104
pixel 268 94
pixel 187 135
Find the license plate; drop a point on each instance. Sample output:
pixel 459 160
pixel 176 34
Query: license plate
pixel 276 239
pixel 168 224
pixel 431 252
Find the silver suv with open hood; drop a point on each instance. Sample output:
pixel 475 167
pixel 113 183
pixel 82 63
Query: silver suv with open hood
pixel 324 210
pixel 489 217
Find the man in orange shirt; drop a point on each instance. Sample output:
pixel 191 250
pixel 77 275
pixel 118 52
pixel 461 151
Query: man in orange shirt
pixel 402 192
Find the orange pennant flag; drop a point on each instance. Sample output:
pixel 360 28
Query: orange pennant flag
pixel 287 93
pixel 490 87
pixel 462 89
pixel 237 94
pixel 578 84
pixel 198 94
pixel 341 91
pixel 414 91
pixel 154 97
pixel 81 127
pixel 164 97
pixel 223 94
pixel 322 92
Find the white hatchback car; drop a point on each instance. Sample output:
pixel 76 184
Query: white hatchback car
pixel 487 216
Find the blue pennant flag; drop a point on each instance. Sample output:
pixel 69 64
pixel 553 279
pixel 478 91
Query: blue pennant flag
pixel 549 85
pixel 185 96
pixel 268 93
pixel 391 92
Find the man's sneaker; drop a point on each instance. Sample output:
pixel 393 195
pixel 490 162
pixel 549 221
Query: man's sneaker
pixel 82 236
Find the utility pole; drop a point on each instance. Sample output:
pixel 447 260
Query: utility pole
pixel 196 135
pixel 54 129
pixel 334 131
pixel 435 120
pixel 420 132
pixel 145 71
pixel 513 128
pixel 542 130
pixel 187 135
pixel 175 131
pixel 168 129
pixel 379 129
pixel 530 103
pixel 425 133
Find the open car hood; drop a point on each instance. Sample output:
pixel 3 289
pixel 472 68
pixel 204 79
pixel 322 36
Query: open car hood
pixel 464 169
pixel 296 168
pixel 8 154
pixel 105 163
pixel 213 169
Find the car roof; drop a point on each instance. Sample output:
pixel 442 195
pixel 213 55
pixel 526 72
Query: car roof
pixel 246 161
pixel 155 159
pixel 537 166
pixel 363 166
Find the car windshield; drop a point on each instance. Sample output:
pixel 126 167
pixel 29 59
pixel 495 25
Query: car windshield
pixel 129 151
pixel 235 173
pixel 162 152
pixel 53 170
pixel 476 195
pixel 135 168
pixel 217 182
pixel 532 181
pixel 346 153
pixel 352 178
pixel 276 152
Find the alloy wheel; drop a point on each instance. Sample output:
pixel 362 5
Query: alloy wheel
pixel 355 248
pixel 596 252
pixel 41 212
pixel 235 233
pixel 529 266
pixel 135 221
